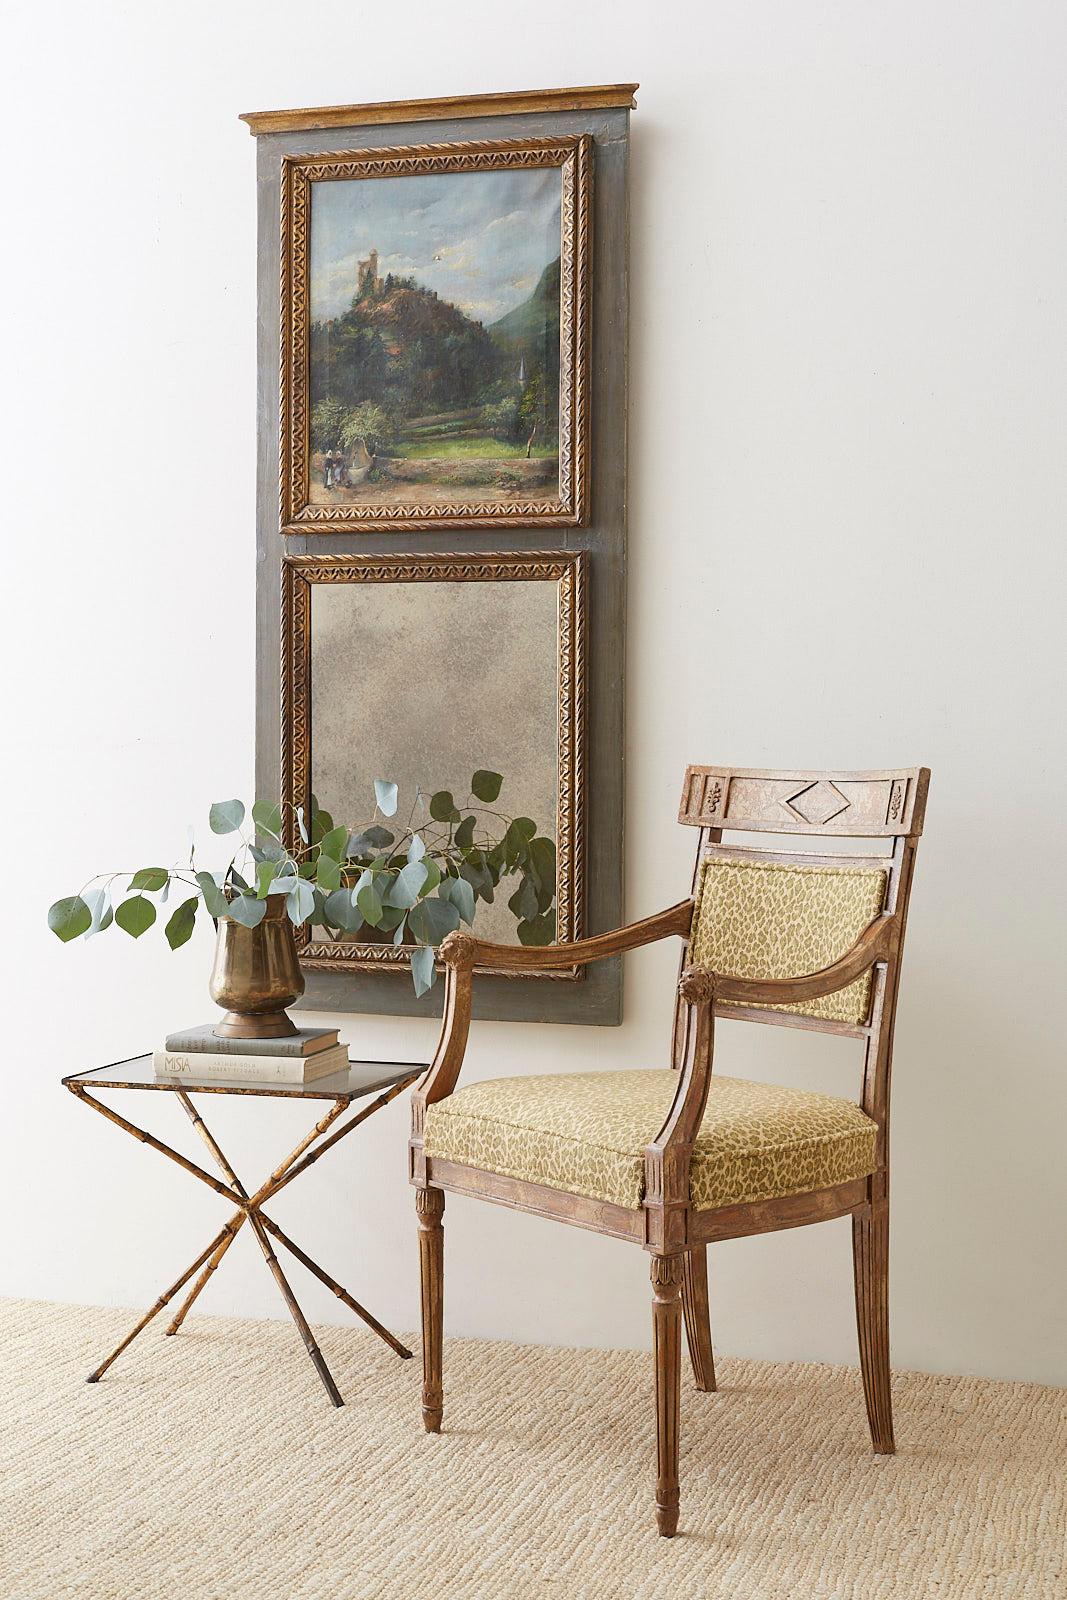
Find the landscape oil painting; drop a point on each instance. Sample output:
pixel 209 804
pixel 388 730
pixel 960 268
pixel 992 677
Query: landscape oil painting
pixel 436 339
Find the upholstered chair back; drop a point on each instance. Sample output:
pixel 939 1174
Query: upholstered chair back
pixel 783 907
pixel 767 919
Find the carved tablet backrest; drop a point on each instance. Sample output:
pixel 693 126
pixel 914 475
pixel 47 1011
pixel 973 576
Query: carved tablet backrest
pixel 767 912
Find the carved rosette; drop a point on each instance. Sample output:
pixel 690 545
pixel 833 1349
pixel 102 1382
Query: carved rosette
pixel 696 986
pixel 458 949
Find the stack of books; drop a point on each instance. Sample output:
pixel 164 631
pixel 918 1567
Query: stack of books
pixel 301 1058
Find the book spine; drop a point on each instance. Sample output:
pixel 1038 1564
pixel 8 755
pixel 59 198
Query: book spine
pixel 253 1069
pixel 296 1049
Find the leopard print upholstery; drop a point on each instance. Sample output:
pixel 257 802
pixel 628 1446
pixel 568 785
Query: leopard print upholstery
pixel 757 919
pixel 585 1133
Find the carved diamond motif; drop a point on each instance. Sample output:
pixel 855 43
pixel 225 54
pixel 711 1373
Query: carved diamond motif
pixel 817 803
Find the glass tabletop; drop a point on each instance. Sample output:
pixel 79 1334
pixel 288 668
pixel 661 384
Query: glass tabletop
pixel 362 1077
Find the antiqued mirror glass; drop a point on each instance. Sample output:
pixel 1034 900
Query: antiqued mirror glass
pixel 424 672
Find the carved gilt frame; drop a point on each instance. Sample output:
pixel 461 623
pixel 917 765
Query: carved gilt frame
pixel 570 507
pixel 567 570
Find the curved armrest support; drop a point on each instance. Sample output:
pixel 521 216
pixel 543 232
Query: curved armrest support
pixel 463 950
pixel 875 943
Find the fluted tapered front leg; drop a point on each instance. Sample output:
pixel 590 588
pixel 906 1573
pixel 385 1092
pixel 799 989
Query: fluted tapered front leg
pixel 667 1349
pixel 430 1209
pixel 870 1254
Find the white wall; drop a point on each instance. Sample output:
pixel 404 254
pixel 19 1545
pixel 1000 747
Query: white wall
pixel 847 481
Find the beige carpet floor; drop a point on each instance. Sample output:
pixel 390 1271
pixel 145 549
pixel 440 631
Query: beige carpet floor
pixel 212 1467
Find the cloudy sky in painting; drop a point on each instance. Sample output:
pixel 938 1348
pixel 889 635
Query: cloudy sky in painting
pixel 481 239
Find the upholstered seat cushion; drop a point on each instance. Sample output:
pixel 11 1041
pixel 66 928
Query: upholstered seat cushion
pixel 585 1133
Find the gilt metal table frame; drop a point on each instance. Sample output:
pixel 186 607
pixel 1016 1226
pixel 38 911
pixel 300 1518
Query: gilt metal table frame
pixel 342 1089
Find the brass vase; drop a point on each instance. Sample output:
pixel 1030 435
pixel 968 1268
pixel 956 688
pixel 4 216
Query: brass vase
pixel 256 975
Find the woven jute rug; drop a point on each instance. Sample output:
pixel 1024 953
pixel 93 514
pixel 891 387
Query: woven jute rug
pixel 212 1467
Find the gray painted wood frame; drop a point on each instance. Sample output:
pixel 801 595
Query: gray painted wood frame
pixel 598 998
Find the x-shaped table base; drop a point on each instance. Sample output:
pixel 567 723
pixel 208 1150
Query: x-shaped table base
pixel 250 1210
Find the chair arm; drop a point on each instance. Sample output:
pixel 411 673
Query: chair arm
pixel 463 950
pixel 875 943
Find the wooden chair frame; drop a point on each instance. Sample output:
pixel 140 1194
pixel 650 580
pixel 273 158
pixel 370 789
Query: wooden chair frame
pixel 889 806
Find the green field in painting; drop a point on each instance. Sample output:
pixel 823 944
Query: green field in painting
pixel 448 445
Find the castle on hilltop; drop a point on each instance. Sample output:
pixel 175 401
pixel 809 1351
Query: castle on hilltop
pixel 368 281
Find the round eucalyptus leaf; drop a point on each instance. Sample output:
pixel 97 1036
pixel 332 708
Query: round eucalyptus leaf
pixel 267 817
pixel 300 902
pixel 341 913
pixel 461 894
pixel 226 816
pixel 180 927
pixel 431 920
pixel 215 902
pixel 247 910
pixel 135 916
pixel 443 806
pixel 539 930
pixel 369 903
pixel 486 786
pixel 386 795
pixel 409 884
pixel 150 878
pixel 423 970
pixel 464 834
pixel 69 918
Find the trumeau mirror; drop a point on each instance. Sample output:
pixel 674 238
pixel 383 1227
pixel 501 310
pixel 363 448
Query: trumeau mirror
pixel 498 430
pixel 423 670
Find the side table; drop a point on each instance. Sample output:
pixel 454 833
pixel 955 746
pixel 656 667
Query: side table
pixel 362 1078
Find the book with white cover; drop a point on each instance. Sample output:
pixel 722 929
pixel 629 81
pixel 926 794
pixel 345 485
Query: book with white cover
pixel 193 1064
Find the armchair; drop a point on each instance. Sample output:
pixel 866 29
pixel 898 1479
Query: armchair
pixel 674 1158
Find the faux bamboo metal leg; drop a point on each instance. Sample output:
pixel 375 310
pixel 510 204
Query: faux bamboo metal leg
pixel 870 1256
pixel 237 1221
pixel 164 1299
pixel 667 1347
pixel 317 1358
pixel 331 1283
pixel 698 1317
pixel 430 1209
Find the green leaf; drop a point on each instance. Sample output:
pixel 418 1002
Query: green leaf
pixel 300 902
pixel 443 806
pixel 321 826
pixel 524 901
pixel 480 879
pixel 266 872
pixel 391 917
pixel 399 935
pixel 464 834
pixel 180 927
pixel 226 816
pixel 215 902
pixel 423 970
pixel 375 838
pixel 341 913
pixel 386 794
pixel 518 836
pixel 433 877
pixel 541 930
pixel 430 920
pixel 333 843
pixel 327 874
pixel 267 817
pixel 486 786
pixel 409 884
pixel 301 824
pixel 70 918
pixel 246 910
pixel 460 894
pixel 135 916
pixel 416 849
pixel 369 903
pixel 150 878
pixel 542 863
